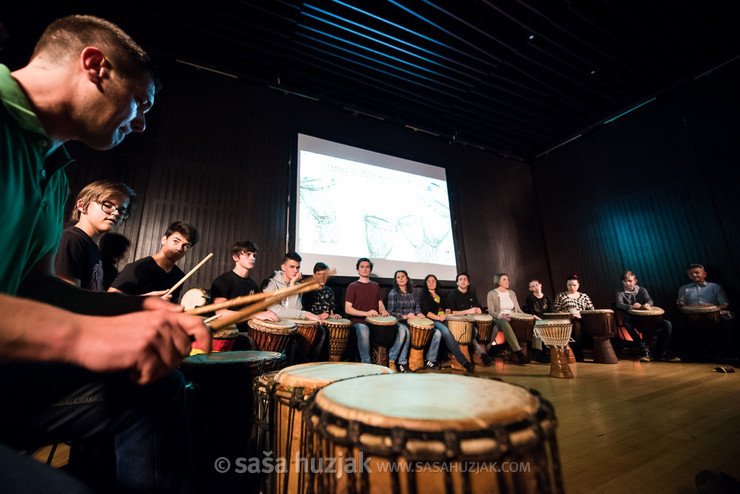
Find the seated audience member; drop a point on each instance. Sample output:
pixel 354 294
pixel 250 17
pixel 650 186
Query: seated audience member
pixel 573 302
pixel 462 301
pixel 637 297
pixel 502 302
pixel 322 301
pixel 94 364
pixel 430 303
pixel 362 300
pixel 113 247
pixel 291 307
pixel 537 304
pixel 403 305
pixel 99 207
pixel 702 292
pixel 154 275
pixel 237 283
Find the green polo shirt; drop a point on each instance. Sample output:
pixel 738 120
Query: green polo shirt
pixel 32 196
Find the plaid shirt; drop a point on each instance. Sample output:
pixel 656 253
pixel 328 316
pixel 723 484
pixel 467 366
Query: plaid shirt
pixel 400 304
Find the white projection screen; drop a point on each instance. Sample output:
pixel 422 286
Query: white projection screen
pixel 354 203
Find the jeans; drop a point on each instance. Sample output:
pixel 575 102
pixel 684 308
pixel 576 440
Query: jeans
pixel 47 403
pixel 401 346
pixel 363 341
pixel 441 331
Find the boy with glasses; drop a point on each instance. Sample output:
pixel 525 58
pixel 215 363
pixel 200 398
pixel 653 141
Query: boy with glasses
pixel 100 207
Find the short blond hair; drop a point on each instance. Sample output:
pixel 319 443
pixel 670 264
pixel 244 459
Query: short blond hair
pixel 99 191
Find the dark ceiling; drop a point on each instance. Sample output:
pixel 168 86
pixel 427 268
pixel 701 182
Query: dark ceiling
pixel 517 78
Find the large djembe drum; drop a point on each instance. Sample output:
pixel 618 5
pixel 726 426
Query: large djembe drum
pixel 523 326
pixel 421 330
pixel 271 336
pixel 306 333
pixel 222 340
pixel 221 407
pixel 484 325
pixel 383 333
pixel 601 326
pixel 649 322
pixel 701 317
pixel 284 395
pixel 338 331
pixel 433 433
pixel 555 333
pixel 461 328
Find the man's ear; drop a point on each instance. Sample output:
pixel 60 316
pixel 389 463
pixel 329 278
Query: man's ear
pixel 94 64
pixel 79 206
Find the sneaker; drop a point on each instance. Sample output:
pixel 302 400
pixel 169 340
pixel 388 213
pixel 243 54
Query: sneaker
pixel 392 366
pixel 486 359
pixel 403 368
pixel 646 357
pixel 670 357
pixel 469 367
pixel 432 365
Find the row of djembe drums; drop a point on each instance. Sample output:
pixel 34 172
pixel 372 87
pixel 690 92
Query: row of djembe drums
pixel 331 427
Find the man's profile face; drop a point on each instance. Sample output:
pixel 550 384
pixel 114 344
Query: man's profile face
pixel 697 275
pixel 245 259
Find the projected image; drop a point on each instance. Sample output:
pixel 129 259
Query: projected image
pixel 350 208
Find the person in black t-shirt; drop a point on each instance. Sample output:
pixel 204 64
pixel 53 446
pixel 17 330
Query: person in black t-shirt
pixel 99 207
pixel 537 304
pixel 113 246
pixel 236 283
pixel 463 301
pixel 156 274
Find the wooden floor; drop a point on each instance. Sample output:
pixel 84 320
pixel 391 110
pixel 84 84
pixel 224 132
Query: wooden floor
pixel 638 427
pixel 633 427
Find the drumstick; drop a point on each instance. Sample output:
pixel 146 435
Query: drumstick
pixel 190 273
pixel 248 299
pixel 212 318
pixel 272 298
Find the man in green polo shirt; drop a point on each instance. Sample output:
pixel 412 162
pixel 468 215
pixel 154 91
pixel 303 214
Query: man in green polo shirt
pixel 77 364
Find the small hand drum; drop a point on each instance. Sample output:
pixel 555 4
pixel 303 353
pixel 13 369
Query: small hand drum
pixel 339 330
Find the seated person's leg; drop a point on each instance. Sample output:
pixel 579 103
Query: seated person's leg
pixel 399 352
pixel 362 331
pixel 452 344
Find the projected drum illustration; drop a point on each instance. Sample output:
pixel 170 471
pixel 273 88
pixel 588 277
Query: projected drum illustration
pixel 421 330
pixel 555 333
pixel 338 333
pixel 290 389
pixel 601 326
pixel 394 427
pixel 383 333
pixel 319 197
pixel 436 225
pixel 379 236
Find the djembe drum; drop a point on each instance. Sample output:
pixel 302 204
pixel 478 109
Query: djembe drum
pixel 601 326
pixel 461 328
pixel 484 325
pixel 221 405
pixel 555 333
pixel 195 297
pixel 421 330
pixel 271 336
pixel 288 392
pixel 523 326
pixel 702 317
pixel 338 333
pixel 433 433
pixel 649 322
pixel 222 340
pixel 383 333
pixel 306 333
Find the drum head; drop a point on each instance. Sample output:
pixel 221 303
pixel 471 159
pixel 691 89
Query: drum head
pixel 483 318
pixel 693 309
pixel 427 402
pixel 553 322
pixel 319 374
pixel 597 311
pixel 381 320
pixel 421 322
pixel 460 318
pixel 654 311
pixel 195 297
pixel 336 322
pixel 302 322
pixel 520 315
pixel 251 357
pixel 281 326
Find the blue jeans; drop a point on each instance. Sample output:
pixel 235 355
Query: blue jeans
pixel 443 332
pixel 362 331
pixel 401 346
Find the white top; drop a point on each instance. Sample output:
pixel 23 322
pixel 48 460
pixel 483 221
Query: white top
pixel 507 305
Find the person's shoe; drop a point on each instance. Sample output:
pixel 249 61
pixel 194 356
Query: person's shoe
pixel 432 365
pixel 392 366
pixel 646 357
pixel 469 367
pixel 486 359
pixel 670 357
pixel 403 368
pixel 522 357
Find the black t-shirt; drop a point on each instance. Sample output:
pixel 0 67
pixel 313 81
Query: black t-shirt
pixel 145 275
pixel 320 301
pixel 457 300
pixel 538 306
pixel 230 285
pixel 79 257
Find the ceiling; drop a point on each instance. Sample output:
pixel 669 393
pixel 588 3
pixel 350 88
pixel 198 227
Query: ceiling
pixel 517 78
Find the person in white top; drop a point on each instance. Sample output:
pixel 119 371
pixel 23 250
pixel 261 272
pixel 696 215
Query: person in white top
pixel 502 302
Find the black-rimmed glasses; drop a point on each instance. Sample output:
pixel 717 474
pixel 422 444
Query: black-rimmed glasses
pixel 109 208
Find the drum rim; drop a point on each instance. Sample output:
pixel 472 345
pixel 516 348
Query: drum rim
pixel 337 322
pixel 654 311
pixel 381 320
pixel 272 326
pixel 699 308
pixel 426 323
pixel 304 322
pixel 597 311
pixel 284 378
